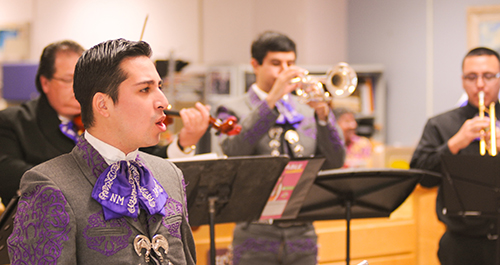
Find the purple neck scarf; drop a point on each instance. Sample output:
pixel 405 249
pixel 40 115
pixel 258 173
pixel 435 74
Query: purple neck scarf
pixel 127 185
pixel 288 115
pixel 68 129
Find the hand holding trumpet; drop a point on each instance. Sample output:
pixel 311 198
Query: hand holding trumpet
pixel 482 127
pixel 470 130
pixel 283 85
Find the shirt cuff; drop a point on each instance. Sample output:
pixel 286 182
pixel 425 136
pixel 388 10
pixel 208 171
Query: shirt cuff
pixel 173 150
pixel 322 123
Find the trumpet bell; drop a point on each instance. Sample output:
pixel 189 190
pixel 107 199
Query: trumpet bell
pixel 339 82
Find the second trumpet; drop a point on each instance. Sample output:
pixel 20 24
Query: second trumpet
pixel 492 150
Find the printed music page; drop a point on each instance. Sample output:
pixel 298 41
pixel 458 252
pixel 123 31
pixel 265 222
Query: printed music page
pixel 283 190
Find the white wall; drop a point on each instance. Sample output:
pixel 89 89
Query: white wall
pixel 15 11
pixel 318 27
pixel 227 31
pixel 172 24
pixel 214 31
pixel 395 33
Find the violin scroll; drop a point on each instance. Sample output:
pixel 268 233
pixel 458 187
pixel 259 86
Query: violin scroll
pixel 229 126
pixel 77 120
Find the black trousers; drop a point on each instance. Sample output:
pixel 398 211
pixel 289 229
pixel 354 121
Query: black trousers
pixel 455 249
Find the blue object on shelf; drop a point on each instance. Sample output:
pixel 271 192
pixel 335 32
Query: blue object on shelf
pixel 19 81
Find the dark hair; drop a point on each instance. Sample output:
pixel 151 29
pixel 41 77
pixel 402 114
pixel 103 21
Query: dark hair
pixel 46 67
pixel 481 51
pixel 271 41
pixel 98 70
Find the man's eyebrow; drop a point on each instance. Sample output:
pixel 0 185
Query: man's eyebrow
pixel 146 82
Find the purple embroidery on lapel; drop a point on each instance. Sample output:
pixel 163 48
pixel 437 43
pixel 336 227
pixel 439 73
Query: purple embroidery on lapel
pixel 40 227
pixel 173 225
pixel 254 99
pixel 267 120
pixel 334 134
pixel 152 219
pixel 260 128
pixel 93 158
pixel 98 236
pixel 308 127
pixel 184 185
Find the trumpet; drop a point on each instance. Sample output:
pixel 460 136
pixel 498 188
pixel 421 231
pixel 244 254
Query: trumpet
pixel 492 150
pixel 340 82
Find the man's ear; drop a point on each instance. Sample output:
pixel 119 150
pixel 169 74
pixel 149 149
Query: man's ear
pixel 44 81
pixel 254 64
pixel 101 103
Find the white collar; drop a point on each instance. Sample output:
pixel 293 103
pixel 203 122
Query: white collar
pixel 110 153
pixel 262 94
pixel 63 119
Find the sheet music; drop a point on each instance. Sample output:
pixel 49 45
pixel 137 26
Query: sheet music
pixel 283 190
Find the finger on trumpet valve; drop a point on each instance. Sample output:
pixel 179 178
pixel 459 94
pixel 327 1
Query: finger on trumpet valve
pixel 301 78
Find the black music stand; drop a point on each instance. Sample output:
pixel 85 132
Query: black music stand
pixel 358 193
pixel 471 188
pixel 6 226
pixel 221 190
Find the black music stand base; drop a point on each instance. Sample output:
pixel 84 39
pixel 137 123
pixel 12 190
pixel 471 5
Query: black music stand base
pixel 348 233
pixel 358 193
pixel 211 211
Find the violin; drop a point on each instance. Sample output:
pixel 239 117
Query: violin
pixel 229 126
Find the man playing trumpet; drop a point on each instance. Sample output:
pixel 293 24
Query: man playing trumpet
pixel 459 132
pixel 273 123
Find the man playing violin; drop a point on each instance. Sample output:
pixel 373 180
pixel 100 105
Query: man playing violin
pixel 30 133
pixel 467 240
pixel 43 128
pixel 274 122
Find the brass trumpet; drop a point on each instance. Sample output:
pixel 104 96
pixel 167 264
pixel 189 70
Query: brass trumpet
pixel 492 150
pixel 340 82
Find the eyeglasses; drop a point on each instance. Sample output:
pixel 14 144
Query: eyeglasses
pixel 487 77
pixel 68 81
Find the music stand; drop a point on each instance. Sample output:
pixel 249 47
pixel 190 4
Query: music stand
pixel 358 193
pixel 6 223
pixel 471 188
pixel 221 190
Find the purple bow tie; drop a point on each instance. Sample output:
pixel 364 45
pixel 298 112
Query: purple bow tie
pixel 288 114
pixel 124 187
